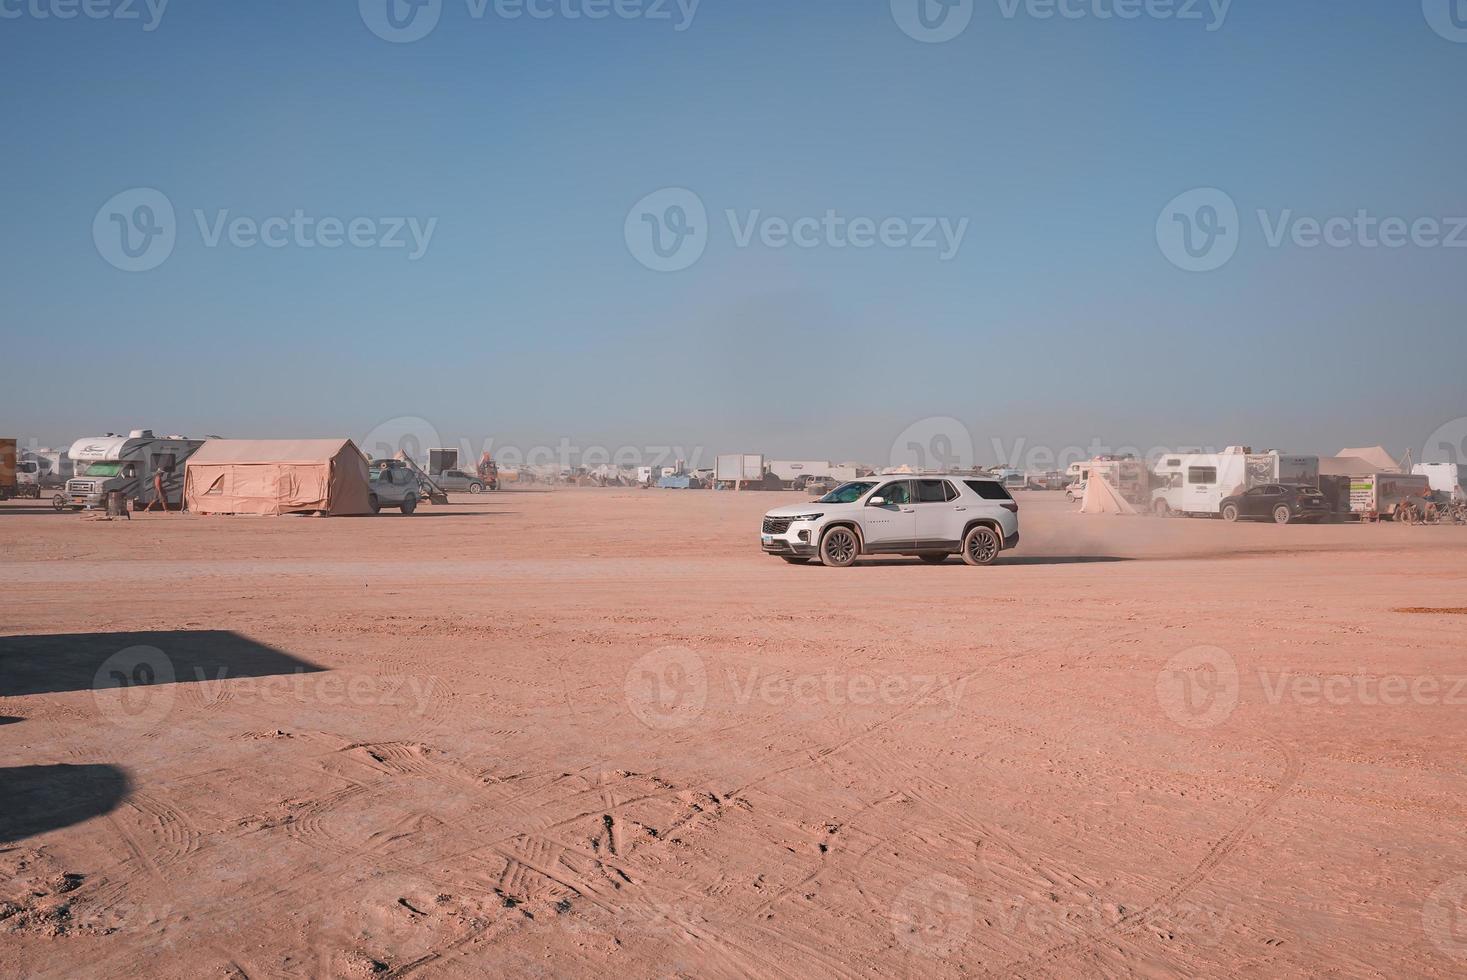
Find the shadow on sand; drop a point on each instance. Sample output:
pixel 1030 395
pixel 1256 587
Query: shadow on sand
pixel 47 664
pixel 42 798
pixel 955 561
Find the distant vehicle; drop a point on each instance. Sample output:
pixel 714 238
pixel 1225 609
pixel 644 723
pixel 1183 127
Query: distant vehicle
pixel 931 517
pixel 48 467
pixel 393 485
pixel 459 480
pixel 818 484
pixel 1076 491
pixel 1278 503
pixel 111 463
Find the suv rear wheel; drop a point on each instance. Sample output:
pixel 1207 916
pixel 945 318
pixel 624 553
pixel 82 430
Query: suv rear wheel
pixel 839 547
pixel 981 545
pixel 409 504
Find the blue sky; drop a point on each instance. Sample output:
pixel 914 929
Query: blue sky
pixel 528 318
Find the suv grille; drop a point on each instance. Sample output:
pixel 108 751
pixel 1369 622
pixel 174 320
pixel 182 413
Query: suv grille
pixel 776 525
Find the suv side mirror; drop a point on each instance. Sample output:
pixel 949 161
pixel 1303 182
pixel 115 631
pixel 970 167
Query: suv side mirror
pixel 876 502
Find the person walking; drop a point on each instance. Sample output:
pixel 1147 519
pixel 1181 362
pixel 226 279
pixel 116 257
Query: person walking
pixel 160 493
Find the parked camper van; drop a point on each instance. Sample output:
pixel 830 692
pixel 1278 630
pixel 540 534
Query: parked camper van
pixel 127 463
pixel 1198 483
pixel 1447 478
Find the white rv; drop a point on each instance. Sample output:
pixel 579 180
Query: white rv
pixel 127 463
pixel 1197 483
pixel 1447 478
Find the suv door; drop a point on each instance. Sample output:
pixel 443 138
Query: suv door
pixel 1260 501
pixel 939 515
pixel 891 526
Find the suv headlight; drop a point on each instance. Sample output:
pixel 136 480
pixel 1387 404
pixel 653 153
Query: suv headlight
pixel 807 517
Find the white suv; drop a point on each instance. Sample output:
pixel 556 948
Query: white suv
pixel 928 516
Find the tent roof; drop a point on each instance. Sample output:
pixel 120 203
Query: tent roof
pixel 1346 466
pixel 270 450
pixel 1377 457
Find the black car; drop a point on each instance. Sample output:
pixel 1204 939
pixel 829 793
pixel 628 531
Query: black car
pixel 1278 503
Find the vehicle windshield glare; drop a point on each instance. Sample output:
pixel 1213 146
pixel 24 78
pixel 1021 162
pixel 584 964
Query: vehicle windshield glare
pixel 846 493
pixel 102 469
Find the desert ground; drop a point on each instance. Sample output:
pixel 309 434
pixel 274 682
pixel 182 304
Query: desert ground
pixel 572 732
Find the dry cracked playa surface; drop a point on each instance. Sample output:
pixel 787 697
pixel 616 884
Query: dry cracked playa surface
pixel 556 734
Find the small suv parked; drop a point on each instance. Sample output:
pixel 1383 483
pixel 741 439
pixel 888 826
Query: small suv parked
pixel 1278 503
pixel 393 485
pixel 928 516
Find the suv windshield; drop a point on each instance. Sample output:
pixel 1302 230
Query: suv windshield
pixel 846 493
pixel 102 469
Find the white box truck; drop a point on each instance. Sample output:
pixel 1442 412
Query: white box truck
pixel 127 463
pixel 1197 483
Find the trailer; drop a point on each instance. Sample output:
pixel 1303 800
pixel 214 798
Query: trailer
pixel 739 468
pixel 126 464
pixel 1380 495
pixel 1198 483
pixel 1446 478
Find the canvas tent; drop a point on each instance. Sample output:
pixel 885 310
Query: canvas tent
pixel 1102 498
pixel 277 476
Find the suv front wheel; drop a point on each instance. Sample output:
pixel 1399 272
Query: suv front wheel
pixel 981 545
pixel 839 547
pixel 409 504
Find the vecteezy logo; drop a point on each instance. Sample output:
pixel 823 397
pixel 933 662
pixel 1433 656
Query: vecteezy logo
pixel 406 434
pixel 667 230
pixel 667 688
pixel 1447 17
pixel 134 687
pixel 937 443
pixel 1198 231
pixel 1448 444
pixel 932 21
pixel 401 21
pixel 135 230
pixel 1198 688
pixel 1444 917
pixel 933 916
